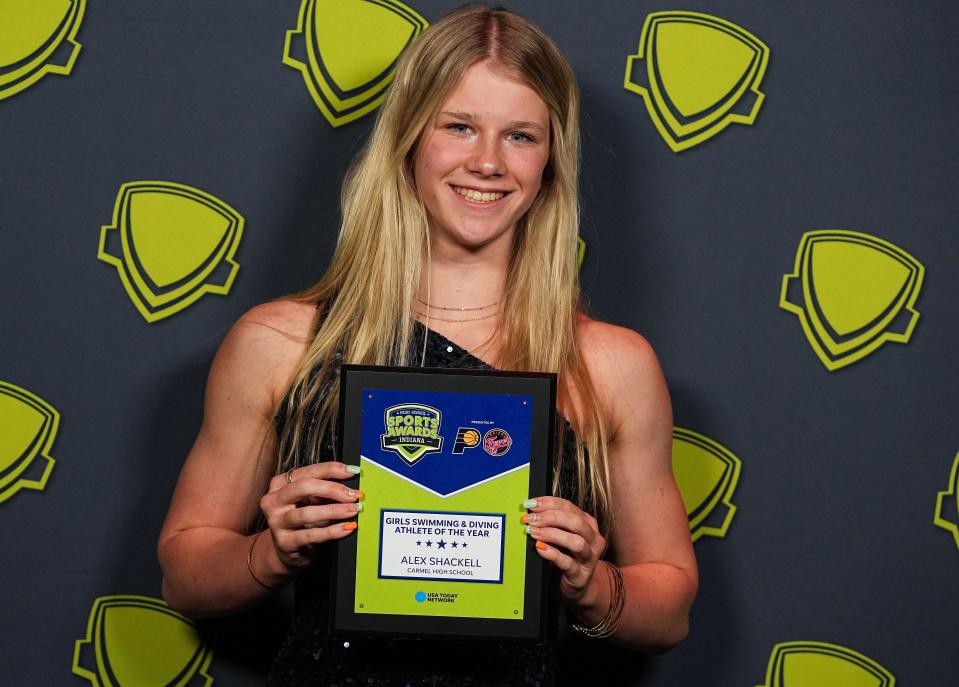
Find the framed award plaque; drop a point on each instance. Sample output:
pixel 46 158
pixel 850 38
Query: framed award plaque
pixel 446 458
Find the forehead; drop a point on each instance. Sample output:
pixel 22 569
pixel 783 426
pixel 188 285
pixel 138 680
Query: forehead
pixel 489 93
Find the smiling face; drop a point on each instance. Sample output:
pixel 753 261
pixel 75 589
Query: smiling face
pixel 479 163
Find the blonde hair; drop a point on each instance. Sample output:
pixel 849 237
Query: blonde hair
pixel 367 319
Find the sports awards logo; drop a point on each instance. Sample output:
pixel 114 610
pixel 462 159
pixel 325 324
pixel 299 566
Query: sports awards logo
pixel 707 474
pixel 947 504
pixel 852 293
pixel 412 431
pixel 136 640
pixel 170 244
pixel 37 38
pixel 28 428
pixel 697 74
pixel 346 51
pixel 817 664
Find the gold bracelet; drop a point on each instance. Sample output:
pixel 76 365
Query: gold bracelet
pixel 617 600
pixel 249 564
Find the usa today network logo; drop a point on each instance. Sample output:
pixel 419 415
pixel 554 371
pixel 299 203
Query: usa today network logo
pixel 436 597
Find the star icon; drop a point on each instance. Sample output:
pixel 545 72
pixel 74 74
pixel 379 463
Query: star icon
pixel 455 544
pixel 441 544
pixel 464 544
pixel 419 543
pixel 429 543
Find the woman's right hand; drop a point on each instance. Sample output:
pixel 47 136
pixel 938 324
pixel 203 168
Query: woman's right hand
pixel 306 506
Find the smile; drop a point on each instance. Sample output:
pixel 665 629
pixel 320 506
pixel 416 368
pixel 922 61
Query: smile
pixel 478 196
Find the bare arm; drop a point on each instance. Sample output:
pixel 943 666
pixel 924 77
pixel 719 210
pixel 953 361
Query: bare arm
pixel 650 537
pixel 205 542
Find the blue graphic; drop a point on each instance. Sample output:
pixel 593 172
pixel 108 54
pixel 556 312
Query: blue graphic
pixel 420 596
pixel 495 417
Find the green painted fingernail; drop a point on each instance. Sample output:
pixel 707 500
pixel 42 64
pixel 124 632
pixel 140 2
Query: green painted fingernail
pixel 530 503
pixel 527 528
pixel 353 469
pixel 359 506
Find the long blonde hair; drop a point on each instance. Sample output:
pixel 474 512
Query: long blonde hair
pixel 369 286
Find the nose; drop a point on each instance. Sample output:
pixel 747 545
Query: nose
pixel 487 158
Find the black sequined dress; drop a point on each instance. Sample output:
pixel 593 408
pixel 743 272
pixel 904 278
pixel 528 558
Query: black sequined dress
pixel 309 657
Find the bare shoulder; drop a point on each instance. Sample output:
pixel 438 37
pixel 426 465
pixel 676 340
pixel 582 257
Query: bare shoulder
pixel 613 353
pixel 264 348
pixel 625 373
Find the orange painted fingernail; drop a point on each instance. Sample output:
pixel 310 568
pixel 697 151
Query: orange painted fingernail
pixel 526 518
pixel 349 526
pixel 360 494
pixel 541 546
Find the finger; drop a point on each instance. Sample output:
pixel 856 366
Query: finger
pixel 572 544
pixel 302 489
pixel 312 516
pixel 326 470
pixel 563 563
pixel 317 535
pixel 543 503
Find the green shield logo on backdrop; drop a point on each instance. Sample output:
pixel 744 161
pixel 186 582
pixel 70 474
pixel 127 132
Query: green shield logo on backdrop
pixel 947 504
pixel 346 51
pixel 171 244
pixel 852 293
pixel 137 641
pixel 37 37
pixel 817 664
pixel 706 473
pixel 28 428
pixel 697 75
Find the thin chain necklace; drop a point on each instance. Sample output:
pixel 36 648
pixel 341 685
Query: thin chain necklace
pixel 440 307
pixel 454 319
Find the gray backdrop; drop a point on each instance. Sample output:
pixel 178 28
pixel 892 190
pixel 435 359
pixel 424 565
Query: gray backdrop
pixel 833 539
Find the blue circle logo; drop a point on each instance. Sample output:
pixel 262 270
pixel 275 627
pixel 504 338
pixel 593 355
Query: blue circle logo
pixel 420 596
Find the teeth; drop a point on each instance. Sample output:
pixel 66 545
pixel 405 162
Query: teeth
pixel 478 196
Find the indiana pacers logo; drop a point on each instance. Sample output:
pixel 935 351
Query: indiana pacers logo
pixel 171 244
pixel 817 664
pixel 37 38
pixel 697 74
pixel 947 504
pixel 136 640
pixel 707 474
pixel 466 437
pixel 412 431
pixel 28 428
pixel 852 293
pixel 346 51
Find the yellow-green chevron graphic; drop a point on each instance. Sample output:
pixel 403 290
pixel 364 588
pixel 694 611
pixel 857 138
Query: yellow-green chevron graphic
pixel 138 641
pixel 28 428
pixel 171 244
pixel 697 75
pixel 818 664
pixel 707 474
pixel 346 51
pixel 37 37
pixel 852 293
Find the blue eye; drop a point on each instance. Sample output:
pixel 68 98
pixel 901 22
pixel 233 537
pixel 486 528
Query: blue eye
pixel 458 128
pixel 522 137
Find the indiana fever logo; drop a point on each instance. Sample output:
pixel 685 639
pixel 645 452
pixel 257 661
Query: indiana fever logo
pixel 412 431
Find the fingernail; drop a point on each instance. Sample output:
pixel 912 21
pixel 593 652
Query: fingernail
pixel 353 469
pixel 358 506
pixel 355 493
pixel 350 526
pixel 530 503
pixel 360 494
pixel 531 530
pixel 526 518
pixel 541 546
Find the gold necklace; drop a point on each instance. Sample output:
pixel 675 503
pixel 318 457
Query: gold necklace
pixel 440 307
pixel 453 319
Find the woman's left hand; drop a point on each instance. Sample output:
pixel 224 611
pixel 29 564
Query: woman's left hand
pixel 568 538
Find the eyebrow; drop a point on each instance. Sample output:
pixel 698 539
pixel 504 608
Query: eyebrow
pixel 518 124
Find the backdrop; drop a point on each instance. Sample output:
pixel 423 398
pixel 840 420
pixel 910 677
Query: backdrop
pixel 768 196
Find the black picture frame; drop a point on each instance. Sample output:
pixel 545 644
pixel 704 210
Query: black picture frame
pixel 345 621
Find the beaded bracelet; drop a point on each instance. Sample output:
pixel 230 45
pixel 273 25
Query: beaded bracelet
pixel 249 564
pixel 617 599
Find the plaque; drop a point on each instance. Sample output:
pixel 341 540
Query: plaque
pixel 446 458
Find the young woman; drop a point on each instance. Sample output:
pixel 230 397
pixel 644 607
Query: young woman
pixel 457 248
